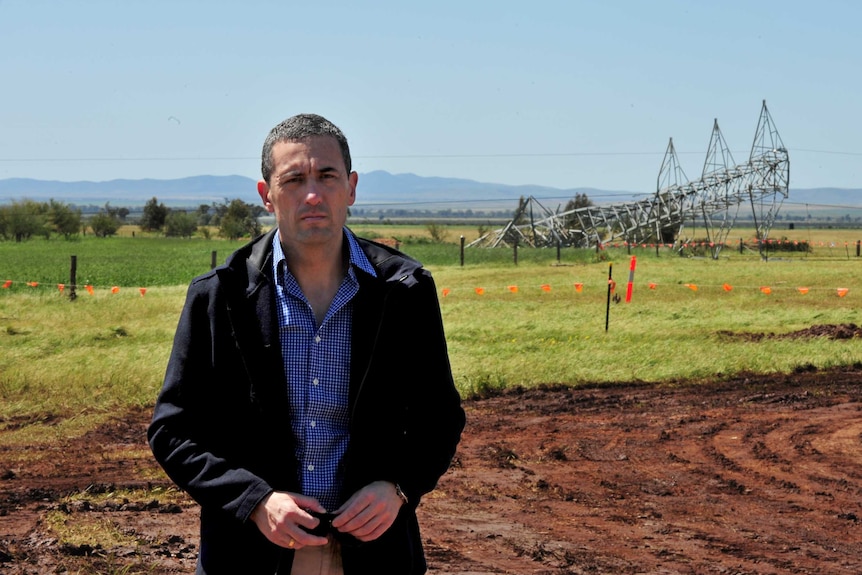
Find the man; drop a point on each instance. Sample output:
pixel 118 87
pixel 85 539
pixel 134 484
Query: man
pixel 309 375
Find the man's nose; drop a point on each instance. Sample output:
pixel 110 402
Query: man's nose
pixel 313 193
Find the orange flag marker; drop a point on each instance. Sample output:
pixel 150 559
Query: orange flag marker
pixel 61 287
pixel 33 284
pixel 513 289
pixel 652 285
pixel 89 289
pixel 7 284
pixel 727 287
pixel 115 289
pixel 480 291
pixel 579 287
pixel 143 291
pixel 546 287
pixel 766 290
pixel 802 290
pixel 446 291
pixel 842 292
pixel 692 287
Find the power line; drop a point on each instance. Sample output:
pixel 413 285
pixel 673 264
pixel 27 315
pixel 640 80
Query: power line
pixel 139 159
pixel 398 156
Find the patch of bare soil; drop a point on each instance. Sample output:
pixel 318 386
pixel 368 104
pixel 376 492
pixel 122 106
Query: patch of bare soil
pixel 750 475
pixel 828 331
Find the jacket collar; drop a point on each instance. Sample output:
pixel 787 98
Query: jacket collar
pixel 258 262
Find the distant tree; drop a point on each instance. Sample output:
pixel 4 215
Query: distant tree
pixel 204 215
pixel 437 232
pixel 64 219
pixel 238 219
pixel 218 212
pixel 111 211
pixel 122 213
pixel 154 215
pixel 104 224
pixel 180 224
pixel 20 221
pixel 579 201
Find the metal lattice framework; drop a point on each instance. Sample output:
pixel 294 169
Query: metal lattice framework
pixel 678 206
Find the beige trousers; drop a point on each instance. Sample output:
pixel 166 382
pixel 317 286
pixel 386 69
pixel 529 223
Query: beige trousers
pixel 320 560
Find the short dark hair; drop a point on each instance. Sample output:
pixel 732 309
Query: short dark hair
pixel 297 128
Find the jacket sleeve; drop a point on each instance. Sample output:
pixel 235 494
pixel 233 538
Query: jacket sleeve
pixel 204 415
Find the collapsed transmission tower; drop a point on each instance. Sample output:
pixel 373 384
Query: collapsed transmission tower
pixel 672 214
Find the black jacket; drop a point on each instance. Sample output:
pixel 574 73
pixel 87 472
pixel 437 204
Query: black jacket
pixel 221 425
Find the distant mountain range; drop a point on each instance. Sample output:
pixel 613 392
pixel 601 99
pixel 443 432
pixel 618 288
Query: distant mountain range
pixel 376 189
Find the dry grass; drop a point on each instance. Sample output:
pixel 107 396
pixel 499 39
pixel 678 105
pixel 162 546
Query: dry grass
pixel 75 364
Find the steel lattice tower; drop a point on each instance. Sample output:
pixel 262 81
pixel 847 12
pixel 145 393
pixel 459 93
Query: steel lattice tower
pixel 672 214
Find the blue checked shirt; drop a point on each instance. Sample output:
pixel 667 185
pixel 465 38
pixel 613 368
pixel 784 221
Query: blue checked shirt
pixel 317 364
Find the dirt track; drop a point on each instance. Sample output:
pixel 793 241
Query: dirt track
pixel 754 475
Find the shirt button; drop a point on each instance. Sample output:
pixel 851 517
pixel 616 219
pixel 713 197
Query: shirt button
pixel 313 423
pixel 317 339
pixel 311 467
pixel 315 381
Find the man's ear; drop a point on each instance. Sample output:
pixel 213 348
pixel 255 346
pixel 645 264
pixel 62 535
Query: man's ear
pixel 352 180
pixel 263 192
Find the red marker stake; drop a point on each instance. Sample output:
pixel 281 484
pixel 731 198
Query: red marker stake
pixel 631 279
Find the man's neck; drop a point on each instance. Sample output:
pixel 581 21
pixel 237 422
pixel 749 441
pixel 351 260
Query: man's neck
pixel 319 271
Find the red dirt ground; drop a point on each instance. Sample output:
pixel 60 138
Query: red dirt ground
pixel 757 474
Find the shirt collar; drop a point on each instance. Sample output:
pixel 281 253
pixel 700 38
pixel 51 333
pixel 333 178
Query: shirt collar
pixel 358 259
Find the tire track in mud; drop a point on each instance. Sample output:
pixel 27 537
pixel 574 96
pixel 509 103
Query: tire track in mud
pixel 744 478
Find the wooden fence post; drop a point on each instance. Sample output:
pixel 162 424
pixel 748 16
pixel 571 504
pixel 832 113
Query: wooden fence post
pixel 73 278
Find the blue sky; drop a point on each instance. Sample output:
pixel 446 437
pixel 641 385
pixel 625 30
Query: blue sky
pixel 558 93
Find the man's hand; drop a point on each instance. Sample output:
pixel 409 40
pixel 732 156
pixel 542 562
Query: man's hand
pixel 369 512
pixel 279 516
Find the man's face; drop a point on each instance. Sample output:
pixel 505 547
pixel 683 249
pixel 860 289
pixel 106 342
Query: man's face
pixel 309 191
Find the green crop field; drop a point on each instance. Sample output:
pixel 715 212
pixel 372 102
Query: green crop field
pixel 543 320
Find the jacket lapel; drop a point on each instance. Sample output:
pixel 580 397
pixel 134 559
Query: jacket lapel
pixel 368 309
pixel 255 324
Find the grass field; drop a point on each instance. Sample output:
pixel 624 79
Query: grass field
pixel 73 363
